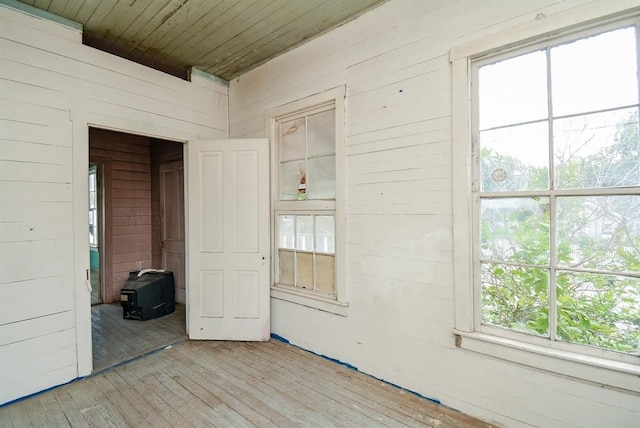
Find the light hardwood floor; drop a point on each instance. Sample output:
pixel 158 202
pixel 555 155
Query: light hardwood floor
pixel 116 340
pixel 220 384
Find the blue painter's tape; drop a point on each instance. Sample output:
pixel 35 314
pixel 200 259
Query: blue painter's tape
pixel 352 367
pixel 99 372
pixel 279 338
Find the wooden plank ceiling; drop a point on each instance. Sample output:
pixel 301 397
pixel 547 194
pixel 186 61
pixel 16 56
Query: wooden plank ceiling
pixel 222 37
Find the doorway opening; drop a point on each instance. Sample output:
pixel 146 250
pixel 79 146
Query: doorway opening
pixel 139 224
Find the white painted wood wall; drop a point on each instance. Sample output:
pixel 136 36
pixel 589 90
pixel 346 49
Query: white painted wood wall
pixel 50 87
pixel 394 61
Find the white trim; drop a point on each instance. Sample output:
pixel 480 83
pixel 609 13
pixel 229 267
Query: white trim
pixel 545 27
pixel 316 301
pixel 601 367
pixel 601 371
pixel 42 14
pixel 462 220
pixel 193 71
pixel 336 98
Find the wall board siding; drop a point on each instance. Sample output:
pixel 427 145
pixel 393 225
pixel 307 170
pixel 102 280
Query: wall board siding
pixel 129 157
pixel 51 87
pixel 394 62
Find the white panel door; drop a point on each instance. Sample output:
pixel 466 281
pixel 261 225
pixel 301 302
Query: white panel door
pixel 228 255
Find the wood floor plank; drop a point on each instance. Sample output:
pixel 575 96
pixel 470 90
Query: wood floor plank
pixel 53 411
pixel 347 404
pixel 231 384
pixel 35 411
pixel 18 415
pixel 181 400
pixel 283 405
pixel 111 414
pixel 69 407
pixel 242 400
pixel 135 378
pixel 289 381
pixel 116 340
pixel 193 379
pixel 346 379
pixel 358 399
pixel 131 415
pixel 135 402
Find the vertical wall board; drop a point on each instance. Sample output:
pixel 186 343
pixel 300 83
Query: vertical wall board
pixel 52 89
pixel 394 61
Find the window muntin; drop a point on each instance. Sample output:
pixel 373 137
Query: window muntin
pixel 307 155
pixel 306 252
pixel 559 168
pixel 93 205
pixel 308 162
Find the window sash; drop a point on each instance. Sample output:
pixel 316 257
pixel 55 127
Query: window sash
pixel 295 251
pixel 332 98
pixel 552 193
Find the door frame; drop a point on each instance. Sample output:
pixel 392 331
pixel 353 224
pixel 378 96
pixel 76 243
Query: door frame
pixel 80 124
pixel 104 223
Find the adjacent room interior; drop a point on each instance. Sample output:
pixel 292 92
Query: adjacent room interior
pixel 136 222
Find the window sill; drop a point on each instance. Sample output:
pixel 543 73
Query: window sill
pixel 603 372
pixel 310 300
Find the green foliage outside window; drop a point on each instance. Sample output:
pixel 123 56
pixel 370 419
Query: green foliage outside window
pixel 597 246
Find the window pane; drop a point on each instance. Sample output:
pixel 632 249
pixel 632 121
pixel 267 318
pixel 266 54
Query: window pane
pixel 285 264
pixel 304 270
pixel 304 232
pixel 599 310
pixel 515 158
pixel 322 133
pixel 513 91
pixel 595 73
pixel 597 150
pixel 325 234
pixel 326 273
pixel 290 174
pixel 599 232
pixel 293 137
pixel 515 298
pixel 321 180
pixel 515 230
pixel 286 231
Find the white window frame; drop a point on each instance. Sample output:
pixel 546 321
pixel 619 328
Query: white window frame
pixel 338 305
pixel 94 171
pixel 606 368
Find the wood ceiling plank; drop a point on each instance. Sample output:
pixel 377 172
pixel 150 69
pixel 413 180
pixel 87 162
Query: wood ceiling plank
pixel 190 35
pixel 71 9
pixel 57 7
pixel 150 18
pixel 85 12
pixel 250 38
pixel 222 37
pixel 179 18
pixel 233 19
pixel 195 34
pixel 42 4
pixel 326 16
pixel 258 49
pixel 229 37
pixel 123 16
pixel 101 20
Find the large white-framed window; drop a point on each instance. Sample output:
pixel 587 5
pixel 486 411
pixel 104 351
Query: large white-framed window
pixel 307 159
pixel 547 182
